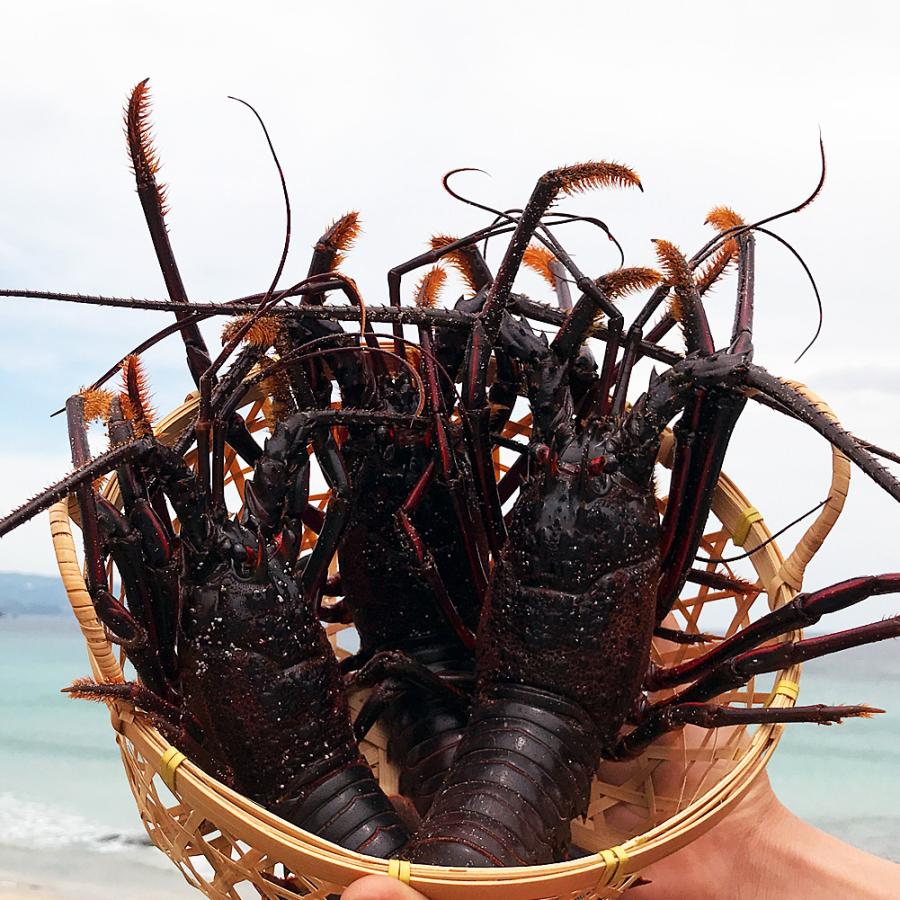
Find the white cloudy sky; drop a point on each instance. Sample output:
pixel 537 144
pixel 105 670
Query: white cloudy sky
pixel 369 103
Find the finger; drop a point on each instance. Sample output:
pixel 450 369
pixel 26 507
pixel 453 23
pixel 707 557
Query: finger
pixel 380 887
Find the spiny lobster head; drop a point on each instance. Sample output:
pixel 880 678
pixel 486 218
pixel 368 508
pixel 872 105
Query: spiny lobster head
pixel 607 457
pixel 246 576
pixel 388 444
pixel 586 510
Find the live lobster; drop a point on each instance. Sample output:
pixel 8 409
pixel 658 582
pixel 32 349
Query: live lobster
pixel 583 570
pixel 588 571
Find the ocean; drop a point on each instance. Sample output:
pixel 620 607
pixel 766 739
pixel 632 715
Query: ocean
pixel 69 827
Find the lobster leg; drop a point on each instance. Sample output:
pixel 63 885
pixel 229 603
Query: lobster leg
pixel 397 665
pixel 176 717
pixel 473 537
pixel 336 515
pixel 735 672
pixel 711 715
pixel 393 673
pixel 126 629
pixel 682 637
pixel 428 571
pixel 804 610
pixel 474 398
pixel 123 543
pixel 382 698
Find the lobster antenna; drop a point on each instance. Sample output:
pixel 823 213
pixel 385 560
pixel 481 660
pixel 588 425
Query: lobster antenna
pixel 145 164
pixel 766 542
pixel 729 224
pixel 203 426
pixel 507 215
pixel 812 281
pixel 566 218
pixel 736 230
pixel 236 338
pixel 307 351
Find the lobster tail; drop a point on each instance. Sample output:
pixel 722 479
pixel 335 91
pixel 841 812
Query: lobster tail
pixel 349 808
pixel 522 773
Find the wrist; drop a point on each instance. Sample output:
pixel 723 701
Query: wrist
pixel 798 861
pixel 762 850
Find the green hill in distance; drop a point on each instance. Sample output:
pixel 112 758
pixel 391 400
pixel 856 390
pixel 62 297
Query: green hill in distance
pixel 31 595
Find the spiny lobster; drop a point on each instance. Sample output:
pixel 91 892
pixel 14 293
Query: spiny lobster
pixel 588 571
pixel 411 558
pixel 220 623
pixel 584 571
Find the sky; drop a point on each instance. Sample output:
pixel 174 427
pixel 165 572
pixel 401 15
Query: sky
pixel 370 103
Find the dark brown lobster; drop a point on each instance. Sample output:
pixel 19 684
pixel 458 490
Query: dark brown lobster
pixel 220 622
pixel 412 559
pixel 234 665
pixel 588 571
pixel 221 618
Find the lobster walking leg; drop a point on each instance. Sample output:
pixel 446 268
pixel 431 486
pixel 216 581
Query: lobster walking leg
pixel 393 672
pixel 710 715
pixel 734 672
pixel 804 610
pixel 174 721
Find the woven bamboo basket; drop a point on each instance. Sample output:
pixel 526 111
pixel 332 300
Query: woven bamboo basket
pixel 229 847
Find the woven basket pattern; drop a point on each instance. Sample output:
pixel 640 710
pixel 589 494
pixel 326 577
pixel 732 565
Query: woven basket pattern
pixel 228 847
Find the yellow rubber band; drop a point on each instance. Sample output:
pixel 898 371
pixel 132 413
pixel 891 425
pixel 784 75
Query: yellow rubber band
pixel 399 869
pixel 613 860
pixel 750 515
pixel 787 688
pixel 168 763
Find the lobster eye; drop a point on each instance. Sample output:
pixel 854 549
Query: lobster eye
pixel 541 454
pixel 596 466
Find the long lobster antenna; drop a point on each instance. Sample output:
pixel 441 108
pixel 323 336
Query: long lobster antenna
pixel 145 164
pixel 564 218
pixel 735 230
pixel 509 216
pixel 99 465
pixel 267 298
pixel 797 406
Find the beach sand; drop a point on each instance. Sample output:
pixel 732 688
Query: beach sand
pixel 74 873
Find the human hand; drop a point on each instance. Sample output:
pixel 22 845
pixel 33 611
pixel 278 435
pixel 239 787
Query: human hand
pixel 760 850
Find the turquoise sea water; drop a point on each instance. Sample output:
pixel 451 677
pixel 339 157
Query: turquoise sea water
pixel 69 827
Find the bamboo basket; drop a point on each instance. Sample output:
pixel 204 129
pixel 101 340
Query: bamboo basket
pixel 229 847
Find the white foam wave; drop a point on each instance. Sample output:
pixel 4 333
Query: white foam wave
pixel 26 823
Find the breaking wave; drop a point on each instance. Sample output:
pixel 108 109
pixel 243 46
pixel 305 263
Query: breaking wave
pixel 26 823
